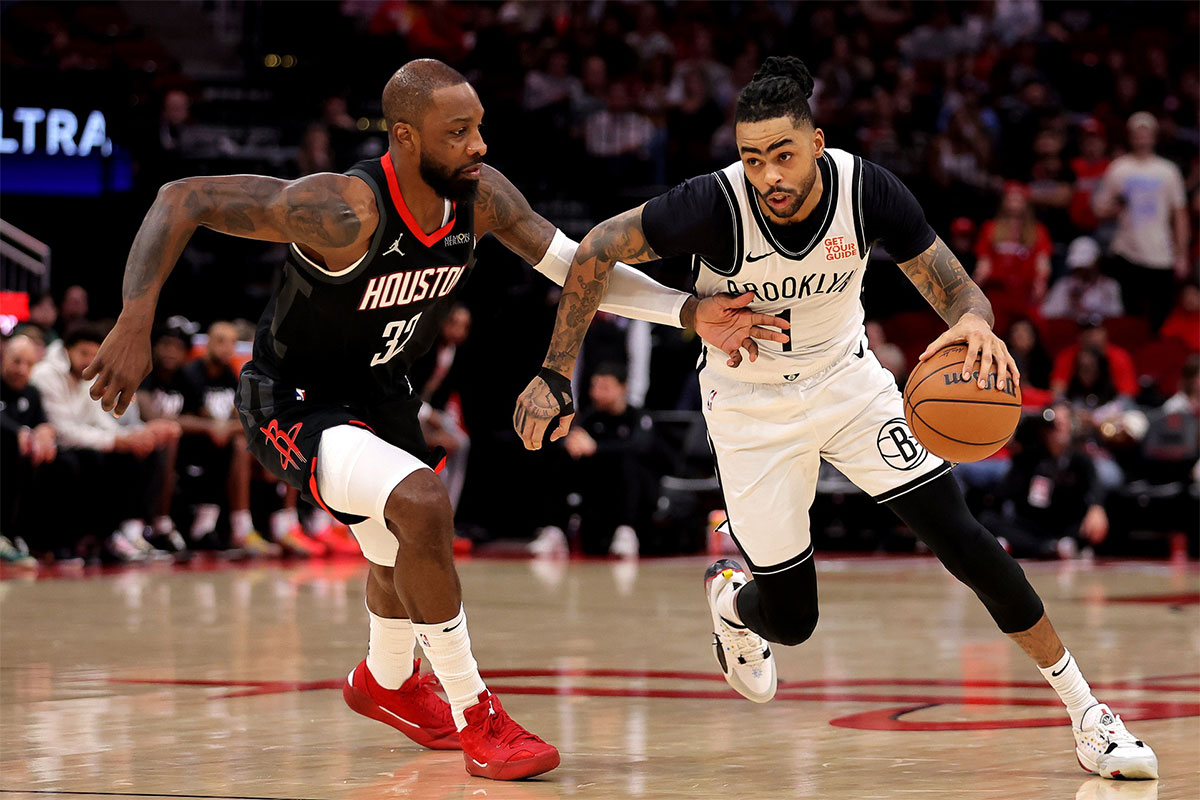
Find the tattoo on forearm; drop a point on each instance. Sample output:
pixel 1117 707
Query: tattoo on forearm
pixel 941 280
pixel 619 239
pixel 500 208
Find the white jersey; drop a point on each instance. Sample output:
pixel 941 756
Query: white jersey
pixel 817 289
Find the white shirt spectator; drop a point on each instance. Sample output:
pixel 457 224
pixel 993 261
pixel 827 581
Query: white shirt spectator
pixel 79 420
pixel 1151 189
pixel 1083 292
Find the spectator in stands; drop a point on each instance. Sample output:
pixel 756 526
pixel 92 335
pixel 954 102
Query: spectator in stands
pixel 1149 251
pixel 44 314
pixel 1112 364
pixel 1025 346
pixel 28 445
pixel 1051 497
pixel 1087 169
pixel 619 138
pixel 962 242
pixel 1084 291
pixel 1171 447
pixel 315 153
pixel 121 465
pixel 1013 255
pixel 1184 322
pixel 438 383
pixel 890 355
pixel 73 310
pixel 610 450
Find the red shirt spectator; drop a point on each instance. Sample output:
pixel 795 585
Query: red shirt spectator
pixel 1120 363
pixel 1013 251
pixel 1184 322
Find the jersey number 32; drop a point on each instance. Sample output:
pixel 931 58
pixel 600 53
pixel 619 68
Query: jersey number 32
pixel 399 331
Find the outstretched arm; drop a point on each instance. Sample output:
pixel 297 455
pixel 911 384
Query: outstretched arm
pixel 942 281
pixel 501 209
pixel 331 216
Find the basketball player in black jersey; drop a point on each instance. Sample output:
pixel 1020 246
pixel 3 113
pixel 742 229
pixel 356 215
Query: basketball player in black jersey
pixel 794 222
pixel 376 259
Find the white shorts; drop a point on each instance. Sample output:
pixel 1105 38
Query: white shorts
pixel 356 473
pixel 768 441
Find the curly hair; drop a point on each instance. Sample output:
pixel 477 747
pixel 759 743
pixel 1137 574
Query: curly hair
pixel 780 88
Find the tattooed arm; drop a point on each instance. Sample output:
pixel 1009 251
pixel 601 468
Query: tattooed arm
pixel 501 209
pixel 331 217
pixel 943 282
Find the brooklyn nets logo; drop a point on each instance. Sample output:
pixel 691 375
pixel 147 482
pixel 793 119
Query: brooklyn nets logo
pixel 899 448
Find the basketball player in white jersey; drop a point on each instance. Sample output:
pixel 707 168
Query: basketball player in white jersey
pixel 376 258
pixel 794 222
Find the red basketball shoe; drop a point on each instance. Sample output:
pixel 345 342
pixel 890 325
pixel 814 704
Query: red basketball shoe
pixel 414 709
pixel 495 746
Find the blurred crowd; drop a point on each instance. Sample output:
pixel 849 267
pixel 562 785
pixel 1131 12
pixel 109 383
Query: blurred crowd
pixel 1054 146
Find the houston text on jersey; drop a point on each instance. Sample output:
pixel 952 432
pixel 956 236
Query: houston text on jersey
pixel 402 288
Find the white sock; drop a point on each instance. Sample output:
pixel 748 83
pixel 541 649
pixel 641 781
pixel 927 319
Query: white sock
pixel 240 524
pixel 727 606
pixel 1067 680
pixel 390 650
pixel 206 519
pixel 448 648
pixel 164 524
pixel 132 529
pixel 283 521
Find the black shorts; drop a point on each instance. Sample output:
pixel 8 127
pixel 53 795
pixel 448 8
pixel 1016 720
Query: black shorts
pixel 284 424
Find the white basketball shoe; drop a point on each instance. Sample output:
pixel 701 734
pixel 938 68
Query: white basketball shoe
pixel 744 657
pixel 1104 746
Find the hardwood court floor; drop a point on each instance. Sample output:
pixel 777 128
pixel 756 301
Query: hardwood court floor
pixel 223 683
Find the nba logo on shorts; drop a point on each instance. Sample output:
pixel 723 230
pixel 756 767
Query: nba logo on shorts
pixel 899 448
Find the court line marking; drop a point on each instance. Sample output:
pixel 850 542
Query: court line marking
pixel 152 794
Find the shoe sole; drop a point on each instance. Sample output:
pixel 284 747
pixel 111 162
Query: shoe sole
pixel 513 770
pixel 730 675
pixel 361 703
pixel 1130 772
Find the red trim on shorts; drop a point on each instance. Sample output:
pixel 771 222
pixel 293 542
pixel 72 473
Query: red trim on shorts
pixel 362 424
pixel 312 487
pixel 441 466
pixel 402 208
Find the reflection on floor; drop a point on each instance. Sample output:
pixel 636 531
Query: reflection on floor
pixel 221 682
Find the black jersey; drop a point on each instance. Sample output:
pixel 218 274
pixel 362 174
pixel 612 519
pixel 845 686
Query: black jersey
pixel 351 335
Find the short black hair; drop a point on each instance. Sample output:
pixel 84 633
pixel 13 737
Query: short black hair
pixel 84 332
pixel 780 88
pixel 173 332
pixel 409 91
pixel 613 369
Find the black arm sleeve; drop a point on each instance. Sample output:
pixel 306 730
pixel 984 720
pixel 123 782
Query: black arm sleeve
pixel 892 215
pixel 694 217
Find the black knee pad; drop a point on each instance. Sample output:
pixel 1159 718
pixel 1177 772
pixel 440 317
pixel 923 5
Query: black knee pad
pixel 938 515
pixel 780 605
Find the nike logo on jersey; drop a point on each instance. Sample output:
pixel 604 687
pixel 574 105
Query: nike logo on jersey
pixel 751 258
pixel 395 248
pixel 792 289
pixel 412 286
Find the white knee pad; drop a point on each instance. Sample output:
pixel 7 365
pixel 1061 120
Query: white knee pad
pixel 356 473
pixel 378 544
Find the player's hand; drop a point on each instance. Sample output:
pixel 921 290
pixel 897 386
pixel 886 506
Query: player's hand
pixel 120 365
pixel 724 322
pixel 982 344
pixel 538 408
pixel 1095 525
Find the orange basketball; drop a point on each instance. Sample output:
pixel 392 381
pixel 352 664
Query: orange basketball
pixel 953 417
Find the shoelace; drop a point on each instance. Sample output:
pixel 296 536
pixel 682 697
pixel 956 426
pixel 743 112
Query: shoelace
pixel 424 689
pixel 745 644
pixel 1116 733
pixel 504 730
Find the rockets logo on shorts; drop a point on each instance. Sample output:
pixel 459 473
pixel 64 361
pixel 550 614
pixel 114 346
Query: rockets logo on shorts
pixel 285 443
pixel 898 447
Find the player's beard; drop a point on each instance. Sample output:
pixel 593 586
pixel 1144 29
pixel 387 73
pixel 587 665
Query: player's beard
pixel 799 196
pixel 449 182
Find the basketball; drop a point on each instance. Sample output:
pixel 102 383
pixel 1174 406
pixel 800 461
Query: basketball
pixel 953 417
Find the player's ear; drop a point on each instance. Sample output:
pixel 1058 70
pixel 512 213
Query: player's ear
pixel 407 137
pixel 818 142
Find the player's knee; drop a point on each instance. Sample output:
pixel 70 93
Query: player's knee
pixel 418 510
pixel 796 629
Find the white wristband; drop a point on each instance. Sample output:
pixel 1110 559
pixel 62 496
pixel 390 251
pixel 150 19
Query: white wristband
pixel 631 293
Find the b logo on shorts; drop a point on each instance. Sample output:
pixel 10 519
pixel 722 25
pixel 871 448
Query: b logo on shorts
pixel 899 448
